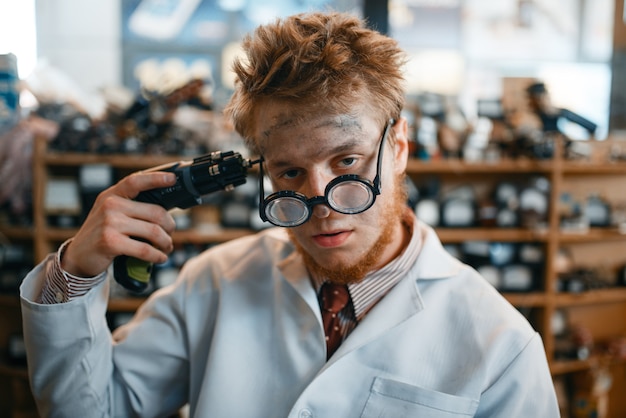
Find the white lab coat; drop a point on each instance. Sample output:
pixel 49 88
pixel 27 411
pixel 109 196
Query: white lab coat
pixel 239 335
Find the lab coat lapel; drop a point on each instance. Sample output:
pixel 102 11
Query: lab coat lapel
pixel 404 300
pixel 401 303
pixel 296 274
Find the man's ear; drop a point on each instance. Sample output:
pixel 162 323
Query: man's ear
pixel 401 148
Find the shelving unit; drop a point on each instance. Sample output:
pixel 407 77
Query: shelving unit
pixel 601 310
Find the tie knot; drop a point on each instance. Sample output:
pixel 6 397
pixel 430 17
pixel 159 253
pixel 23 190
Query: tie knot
pixel 334 297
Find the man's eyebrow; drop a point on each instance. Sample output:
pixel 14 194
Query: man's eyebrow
pixel 324 151
pixel 346 146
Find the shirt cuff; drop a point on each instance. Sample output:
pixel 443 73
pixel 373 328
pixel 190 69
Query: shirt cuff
pixel 61 286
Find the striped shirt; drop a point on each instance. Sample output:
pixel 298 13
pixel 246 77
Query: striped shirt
pixel 365 294
pixel 61 286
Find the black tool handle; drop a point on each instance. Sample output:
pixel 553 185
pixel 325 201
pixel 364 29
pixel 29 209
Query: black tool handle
pixel 194 179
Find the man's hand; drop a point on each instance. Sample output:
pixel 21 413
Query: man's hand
pixel 114 219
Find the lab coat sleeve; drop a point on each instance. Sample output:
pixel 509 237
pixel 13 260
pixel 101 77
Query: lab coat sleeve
pixel 68 348
pixel 524 389
pixel 78 368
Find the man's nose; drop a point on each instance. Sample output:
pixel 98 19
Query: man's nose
pixel 317 183
pixel 321 210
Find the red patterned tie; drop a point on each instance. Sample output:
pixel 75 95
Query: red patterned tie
pixel 334 299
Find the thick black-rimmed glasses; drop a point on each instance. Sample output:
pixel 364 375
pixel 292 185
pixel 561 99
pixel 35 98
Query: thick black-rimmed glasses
pixel 348 194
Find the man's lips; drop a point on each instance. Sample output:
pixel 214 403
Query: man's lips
pixel 331 239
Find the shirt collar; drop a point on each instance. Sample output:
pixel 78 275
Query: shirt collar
pixel 367 292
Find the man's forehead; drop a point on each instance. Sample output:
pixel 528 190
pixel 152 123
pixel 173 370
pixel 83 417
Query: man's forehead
pixel 312 128
pixel 286 121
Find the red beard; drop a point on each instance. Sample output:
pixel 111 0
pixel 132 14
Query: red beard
pixel 355 272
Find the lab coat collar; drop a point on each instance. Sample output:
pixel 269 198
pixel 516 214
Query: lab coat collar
pixel 434 262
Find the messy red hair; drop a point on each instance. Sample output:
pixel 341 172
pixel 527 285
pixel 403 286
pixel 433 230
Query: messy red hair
pixel 321 60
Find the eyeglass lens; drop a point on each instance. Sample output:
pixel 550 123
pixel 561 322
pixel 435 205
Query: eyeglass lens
pixel 350 196
pixel 287 211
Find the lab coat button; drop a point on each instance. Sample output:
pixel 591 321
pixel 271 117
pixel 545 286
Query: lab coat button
pixel 306 413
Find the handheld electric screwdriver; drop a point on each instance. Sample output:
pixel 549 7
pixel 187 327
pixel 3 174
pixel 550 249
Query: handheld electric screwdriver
pixel 194 179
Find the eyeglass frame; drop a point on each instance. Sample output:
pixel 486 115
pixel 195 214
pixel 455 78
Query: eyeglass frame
pixel 310 203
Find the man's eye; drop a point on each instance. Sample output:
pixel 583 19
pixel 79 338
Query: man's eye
pixel 348 162
pixel 290 174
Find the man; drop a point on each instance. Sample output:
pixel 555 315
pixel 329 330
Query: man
pixel 541 104
pixel 240 333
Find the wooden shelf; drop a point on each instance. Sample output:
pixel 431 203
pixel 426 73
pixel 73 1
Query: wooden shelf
pixel 194 236
pixel 135 162
pixel 10 300
pixel 592 235
pixel 454 166
pixel 59 234
pixel 455 235
pixel 559 367
pixel 128 304
pixel 529 299
pixel 570 167
pixel 21 372
pixel 17 232
pixel 608 295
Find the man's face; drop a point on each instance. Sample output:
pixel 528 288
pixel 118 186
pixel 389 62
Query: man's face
pixel 304 154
